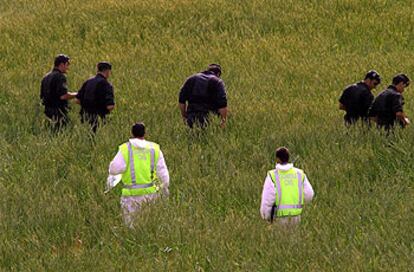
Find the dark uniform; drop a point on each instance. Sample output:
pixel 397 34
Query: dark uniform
pixel 357 99
pixel 94 96
pixel 385 107
pixel 53 86
pixel 205 94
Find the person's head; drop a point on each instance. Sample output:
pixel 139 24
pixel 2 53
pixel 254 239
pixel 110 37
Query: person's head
pixel 372 79
pixel 282 155
pixel 62 63
pixel 400 81
pixel 215 68
pixel 138 130
pixel 104 68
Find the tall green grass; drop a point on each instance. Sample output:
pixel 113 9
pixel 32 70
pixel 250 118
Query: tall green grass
pixel 284 64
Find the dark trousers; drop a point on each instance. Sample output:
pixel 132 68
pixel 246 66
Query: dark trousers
pixel 58 118
pixel 198 119
pixel 93 119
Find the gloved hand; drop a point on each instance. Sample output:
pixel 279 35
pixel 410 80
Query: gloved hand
pixel 111 182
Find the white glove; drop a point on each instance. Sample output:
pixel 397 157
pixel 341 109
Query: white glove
pixel 111 182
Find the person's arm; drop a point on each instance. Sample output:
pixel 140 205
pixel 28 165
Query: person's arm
pixel 107 96
pixel 268 199
pixel 80 94
pixel 402 118
pixel 68 96
pixel 163 174
pixel 62 89
pixel 221 102
pixel 308 190
pixel 117 165
pixel 116 168
pixel 184 96
pixel 397 108
pixel 344 98
pixel 223 116
pixel 183 110
pixel 366 102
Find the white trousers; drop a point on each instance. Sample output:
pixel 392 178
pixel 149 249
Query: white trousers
pixel 131 205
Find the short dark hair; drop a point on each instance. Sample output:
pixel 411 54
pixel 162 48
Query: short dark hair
pixel 103 66
pixel 61 58
pixel 282 153
pixel 138 130
pixel 215 68
pixel 400 78
pixel 373 75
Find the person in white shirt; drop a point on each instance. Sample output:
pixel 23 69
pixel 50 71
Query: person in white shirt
pixel 285 190
pixel 144 173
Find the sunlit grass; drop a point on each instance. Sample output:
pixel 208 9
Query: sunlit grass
pixel 284 65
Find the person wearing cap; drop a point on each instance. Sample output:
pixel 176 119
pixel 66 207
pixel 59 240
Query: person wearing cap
pixel 202 94
pixel 54 93
pixel 285 191
pixel 144 173
pixel 96 96
pixel 388 105
pixel 357 98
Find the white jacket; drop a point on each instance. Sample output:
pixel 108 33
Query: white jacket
pixel 118 166
pixel 269 192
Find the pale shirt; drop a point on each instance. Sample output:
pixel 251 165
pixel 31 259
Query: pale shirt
pixel 269 193
pixel 118 166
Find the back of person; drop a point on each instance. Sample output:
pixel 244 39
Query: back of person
pixel 352 98
pixel 51 91
pixel 385 106
pixel 92 96
pixel 357 98
pixel 201 94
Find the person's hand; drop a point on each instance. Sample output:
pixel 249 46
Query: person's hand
pixel 406 121
pixel 222 124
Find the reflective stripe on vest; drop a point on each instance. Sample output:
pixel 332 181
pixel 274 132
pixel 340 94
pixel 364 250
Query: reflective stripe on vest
pixel 132 165
pixel 279 206
pixel 140 176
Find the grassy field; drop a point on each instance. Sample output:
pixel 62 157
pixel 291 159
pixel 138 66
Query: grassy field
pixel 284 63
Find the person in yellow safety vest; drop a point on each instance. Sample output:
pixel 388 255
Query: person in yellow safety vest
pixel 144 173
pixel 285 190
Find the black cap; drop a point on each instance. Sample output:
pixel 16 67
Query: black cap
pixel 401 78
pixel 372 74
pixel 138 130
pixel 61 58
pixel 214 67
pixel 103 66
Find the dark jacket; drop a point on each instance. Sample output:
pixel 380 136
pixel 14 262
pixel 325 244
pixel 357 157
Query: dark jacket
pixel 386 105
pixel 357 99
pixel 53 86
pixel 204 92
pixel 95 95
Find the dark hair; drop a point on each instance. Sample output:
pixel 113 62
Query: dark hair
pixel 215 68
pixel 138 130
pixel 282 153
pixel 103 66
pixel 400 78
pixel 373 75
pixel 61 58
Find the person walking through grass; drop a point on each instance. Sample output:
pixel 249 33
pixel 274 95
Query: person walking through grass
pixel 202 94
pixel 54 93
pixel 357 98
pixel 388 105
pixel 285 191
pixel 96 96
pixel 142 166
